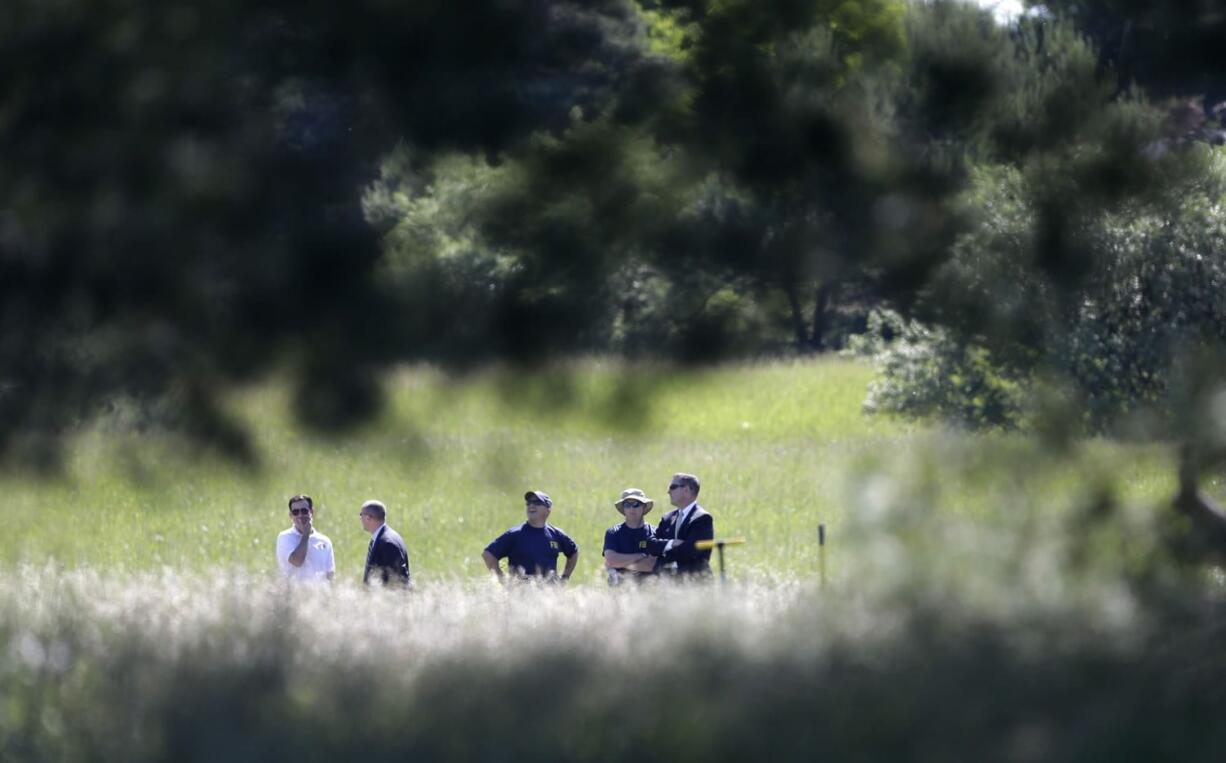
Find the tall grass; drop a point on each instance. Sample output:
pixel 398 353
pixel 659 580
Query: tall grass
pixel 781 447
pixel 225 666
pixel 988 598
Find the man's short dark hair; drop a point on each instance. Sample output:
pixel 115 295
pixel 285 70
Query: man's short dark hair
pixel 688 480
pixel 302 497
pixel 376 509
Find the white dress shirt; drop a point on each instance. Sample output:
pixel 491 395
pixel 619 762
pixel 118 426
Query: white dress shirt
pixel 684 515
pixel 319 559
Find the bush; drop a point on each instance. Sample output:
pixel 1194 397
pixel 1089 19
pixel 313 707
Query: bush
pixel 1112 339
pixel 925 371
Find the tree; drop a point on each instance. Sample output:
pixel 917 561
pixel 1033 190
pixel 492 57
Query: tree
pixel 1167 48
pixel 182 186
pixel 1093 263
pixel 759 171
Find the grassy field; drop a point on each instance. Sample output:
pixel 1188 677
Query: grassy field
pixel 780 447
pixel 990 597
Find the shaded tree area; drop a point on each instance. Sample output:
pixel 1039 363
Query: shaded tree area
pixel 195 196
pixel 181 187
pixel 1167 48
pixel 734 217
pixel 1084 293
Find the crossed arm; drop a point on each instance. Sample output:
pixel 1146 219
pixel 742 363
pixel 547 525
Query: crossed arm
pixel 703 528
pixel 636 562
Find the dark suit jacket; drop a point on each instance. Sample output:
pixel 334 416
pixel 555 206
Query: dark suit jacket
pixel 388 561
pixel 699 525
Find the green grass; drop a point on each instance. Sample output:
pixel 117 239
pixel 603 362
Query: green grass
pixel 990 598
pixel 232 667
pixel 780 447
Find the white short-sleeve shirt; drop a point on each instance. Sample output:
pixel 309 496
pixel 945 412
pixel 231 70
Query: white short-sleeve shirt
pixel 319 559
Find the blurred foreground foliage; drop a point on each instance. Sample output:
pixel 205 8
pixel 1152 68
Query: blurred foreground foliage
pixel 934 641
pixel 334 189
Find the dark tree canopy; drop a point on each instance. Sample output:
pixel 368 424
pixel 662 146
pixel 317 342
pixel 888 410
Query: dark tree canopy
pixel 188 189
pixel 1168 48
pixel 182 181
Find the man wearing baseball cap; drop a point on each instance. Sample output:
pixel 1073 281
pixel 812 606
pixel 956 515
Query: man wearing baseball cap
pixel 625 545
pixel 532 548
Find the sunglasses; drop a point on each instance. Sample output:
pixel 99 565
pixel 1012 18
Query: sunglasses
pixel 298 512
pixel 535 503
pixel 675 486
pixel 631 505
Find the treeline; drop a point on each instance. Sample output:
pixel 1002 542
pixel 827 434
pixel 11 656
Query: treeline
pixel 1037 219
pixel 197 195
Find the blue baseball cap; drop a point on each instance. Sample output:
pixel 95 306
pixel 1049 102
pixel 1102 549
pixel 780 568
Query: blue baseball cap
pixel 540 496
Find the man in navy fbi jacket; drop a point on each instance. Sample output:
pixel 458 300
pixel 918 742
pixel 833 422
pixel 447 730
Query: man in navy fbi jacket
pixel 625 545
pixel 532 548
pixel 681 528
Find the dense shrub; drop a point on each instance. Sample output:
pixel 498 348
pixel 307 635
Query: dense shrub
pixel 1113 337
pixel 925 371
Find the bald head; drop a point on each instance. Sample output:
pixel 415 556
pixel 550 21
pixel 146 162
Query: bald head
pixel 375 509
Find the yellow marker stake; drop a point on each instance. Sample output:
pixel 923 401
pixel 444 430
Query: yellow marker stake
pixel 707 545
pixel 821 554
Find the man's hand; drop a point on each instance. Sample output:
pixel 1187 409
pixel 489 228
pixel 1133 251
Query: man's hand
pixel 298 556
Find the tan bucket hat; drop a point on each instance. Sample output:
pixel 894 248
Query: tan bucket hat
pixel 634 494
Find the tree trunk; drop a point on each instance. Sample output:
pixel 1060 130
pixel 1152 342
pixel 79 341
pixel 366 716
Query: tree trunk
pixel 798 321
pixel 1206 530
pixel 817 340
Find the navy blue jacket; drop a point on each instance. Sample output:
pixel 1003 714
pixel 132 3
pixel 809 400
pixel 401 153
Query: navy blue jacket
pixel 388 560
pixel 532 550
pixel 698 526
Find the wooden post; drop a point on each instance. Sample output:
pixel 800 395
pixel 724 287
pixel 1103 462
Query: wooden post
pixel 821 554
pixel 703 545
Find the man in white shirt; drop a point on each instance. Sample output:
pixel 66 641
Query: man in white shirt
pixel 304 553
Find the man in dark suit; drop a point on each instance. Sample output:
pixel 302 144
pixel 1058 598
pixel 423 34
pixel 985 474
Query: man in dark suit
pixel 681 528
pixel 386 559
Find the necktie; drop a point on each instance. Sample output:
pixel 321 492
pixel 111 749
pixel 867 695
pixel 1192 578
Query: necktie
pixel 370 551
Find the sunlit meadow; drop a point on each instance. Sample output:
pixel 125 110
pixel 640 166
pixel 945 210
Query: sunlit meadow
pixel 780 447
pixel 985 597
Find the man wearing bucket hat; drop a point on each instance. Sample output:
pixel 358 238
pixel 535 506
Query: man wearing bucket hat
pixel 532 548
pixel 625 545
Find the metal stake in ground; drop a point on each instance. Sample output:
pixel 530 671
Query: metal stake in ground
pixel 821 554
pixel 706 545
